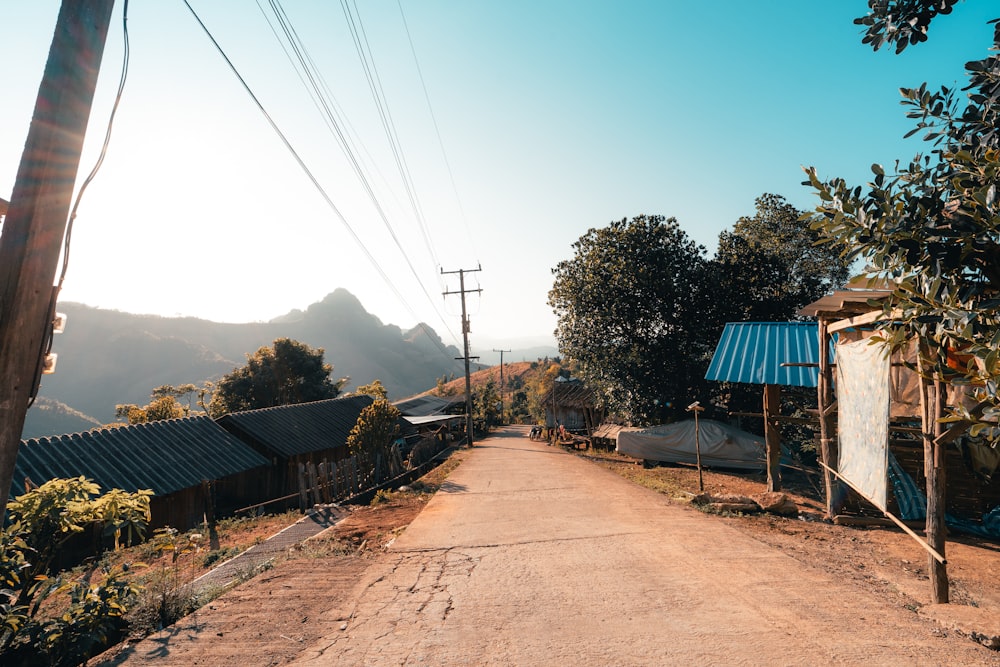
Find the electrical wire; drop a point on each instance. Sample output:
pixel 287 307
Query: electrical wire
pixel 382 103
pixel 437 131
pixel 306 69
pixel 104 146
pixel 305 168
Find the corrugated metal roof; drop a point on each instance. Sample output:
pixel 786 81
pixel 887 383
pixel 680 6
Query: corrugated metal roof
pixel 428 405
pixel 753 352
pixel 290 430
pixel 164 456
pixel 571 394
pixel 431 419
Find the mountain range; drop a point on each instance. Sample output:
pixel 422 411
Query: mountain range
pixel 109 357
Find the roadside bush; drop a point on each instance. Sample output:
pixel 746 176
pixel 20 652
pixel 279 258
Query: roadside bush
pixel 55 619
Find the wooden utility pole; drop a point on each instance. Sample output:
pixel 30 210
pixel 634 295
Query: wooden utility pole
pixel 465 337
pixel 501 381
pixel 36 219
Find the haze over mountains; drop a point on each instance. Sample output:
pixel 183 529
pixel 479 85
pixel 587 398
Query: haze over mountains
pixel 108 357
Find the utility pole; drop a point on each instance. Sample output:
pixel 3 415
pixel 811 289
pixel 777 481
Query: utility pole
pixel 35 223
pixel 465 337
pixel 501 381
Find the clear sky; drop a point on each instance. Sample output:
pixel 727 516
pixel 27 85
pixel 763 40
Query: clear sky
pixel 554 116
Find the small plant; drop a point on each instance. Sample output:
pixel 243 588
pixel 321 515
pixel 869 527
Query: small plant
pixel 164 598
pixel 382 496
pixel 58 619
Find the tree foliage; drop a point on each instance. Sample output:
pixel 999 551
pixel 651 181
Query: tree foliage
pixel 932 226
pixel 900 22
pixel 375 390
pixel 42 521
pixel 486 403
pixel 374 432
pixel 770 265
pixel 629 306
pixel 288 372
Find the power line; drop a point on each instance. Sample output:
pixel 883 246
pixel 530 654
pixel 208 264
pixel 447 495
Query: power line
pixel 437 131
pixel 311 72
pixel 305 168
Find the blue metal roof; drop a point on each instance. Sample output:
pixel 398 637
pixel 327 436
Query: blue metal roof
pixel 164 456
pixel 752 352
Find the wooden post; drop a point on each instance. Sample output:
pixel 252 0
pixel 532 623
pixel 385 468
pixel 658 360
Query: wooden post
pixel 772 435
pixel 936 529
pixel 313 484
pixel 303 498
pixel 824 403
pixel 36 219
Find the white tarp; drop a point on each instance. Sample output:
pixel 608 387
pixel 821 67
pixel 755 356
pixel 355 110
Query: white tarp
pixel 722 445
pixel 863 417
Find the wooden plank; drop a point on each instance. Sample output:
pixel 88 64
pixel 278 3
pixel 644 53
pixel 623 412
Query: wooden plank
pixel 935 556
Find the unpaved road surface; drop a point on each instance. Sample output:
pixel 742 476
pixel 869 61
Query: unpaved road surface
pixel 530 556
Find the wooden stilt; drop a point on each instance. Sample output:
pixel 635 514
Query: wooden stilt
pixel 772 435
pixel 824 396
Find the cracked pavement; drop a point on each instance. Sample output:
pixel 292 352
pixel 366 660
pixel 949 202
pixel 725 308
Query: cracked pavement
pixel 531 556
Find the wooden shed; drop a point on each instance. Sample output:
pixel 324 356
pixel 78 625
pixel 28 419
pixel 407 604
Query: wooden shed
pixel 920 450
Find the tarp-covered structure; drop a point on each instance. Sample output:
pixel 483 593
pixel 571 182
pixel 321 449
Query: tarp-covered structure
pixel 721 445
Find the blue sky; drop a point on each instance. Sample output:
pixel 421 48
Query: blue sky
pixel 555 117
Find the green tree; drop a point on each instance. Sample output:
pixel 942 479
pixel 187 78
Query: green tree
pixel 486 403
pixel 932 226
pixel 374 432
pixel 771 264
pixel 287 372
pixel 164 404
pixel 629 306
pixel 375 390
pixel 41 522
pixel 901 22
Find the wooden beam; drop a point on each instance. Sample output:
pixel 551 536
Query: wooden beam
pixel 825 406
pixel 861 320
pixel 935 556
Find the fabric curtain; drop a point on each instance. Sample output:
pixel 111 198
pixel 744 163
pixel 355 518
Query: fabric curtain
pixel 863 417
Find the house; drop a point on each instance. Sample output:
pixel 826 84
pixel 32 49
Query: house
pixel 572 404
pixel 194 467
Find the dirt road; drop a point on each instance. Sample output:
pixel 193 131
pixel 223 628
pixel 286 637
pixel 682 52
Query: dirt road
pixel 530 556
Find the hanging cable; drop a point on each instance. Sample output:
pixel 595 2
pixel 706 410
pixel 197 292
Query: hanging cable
pixel 437 132
pixel 104 146
pixel 307 66
pixel 46 347
pixel 298 159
